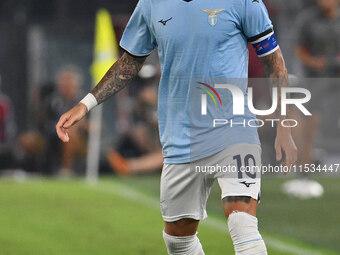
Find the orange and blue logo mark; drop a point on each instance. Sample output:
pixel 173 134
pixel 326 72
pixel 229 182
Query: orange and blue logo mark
pixel 239 96
pixel 211 89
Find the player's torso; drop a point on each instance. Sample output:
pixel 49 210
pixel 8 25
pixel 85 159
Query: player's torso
pixel 201 32
pixel 177 19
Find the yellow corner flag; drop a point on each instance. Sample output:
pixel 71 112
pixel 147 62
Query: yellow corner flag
pixel 105 54
pixel 105 46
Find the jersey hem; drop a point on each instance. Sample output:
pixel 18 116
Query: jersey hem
pixel 184 216
pixel 242 194
pixel 134 54
pixel 188 160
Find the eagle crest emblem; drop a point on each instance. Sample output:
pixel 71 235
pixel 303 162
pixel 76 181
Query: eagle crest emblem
pixel 212 18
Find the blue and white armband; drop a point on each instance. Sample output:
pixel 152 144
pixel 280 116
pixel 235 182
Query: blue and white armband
pixel 265 43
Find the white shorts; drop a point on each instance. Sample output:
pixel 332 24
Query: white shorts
pixel 185 188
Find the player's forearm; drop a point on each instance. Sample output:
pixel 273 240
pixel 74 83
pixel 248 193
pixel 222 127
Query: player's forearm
pixel 117 77
pixel 277 72
pixel 276 69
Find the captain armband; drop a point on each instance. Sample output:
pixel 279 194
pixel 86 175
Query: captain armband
pixel 264 43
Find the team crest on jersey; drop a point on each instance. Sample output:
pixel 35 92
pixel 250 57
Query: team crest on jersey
pixel 212 18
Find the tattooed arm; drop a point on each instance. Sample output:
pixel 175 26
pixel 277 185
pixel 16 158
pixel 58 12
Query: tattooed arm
pixel 117 77
pixel 284 143
pixel 277 73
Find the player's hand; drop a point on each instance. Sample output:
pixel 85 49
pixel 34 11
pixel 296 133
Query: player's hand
pixel 284 143
pixel 68 119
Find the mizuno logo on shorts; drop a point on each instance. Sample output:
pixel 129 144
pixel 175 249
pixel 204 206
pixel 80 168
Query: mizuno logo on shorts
pixel 248 183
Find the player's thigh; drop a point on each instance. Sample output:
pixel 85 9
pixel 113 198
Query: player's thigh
pixel 240 187
pixel 184 195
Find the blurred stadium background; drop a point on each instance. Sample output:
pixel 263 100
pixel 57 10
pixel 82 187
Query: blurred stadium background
pixel 46 207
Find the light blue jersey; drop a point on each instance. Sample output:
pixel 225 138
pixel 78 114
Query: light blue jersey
pixel 199 42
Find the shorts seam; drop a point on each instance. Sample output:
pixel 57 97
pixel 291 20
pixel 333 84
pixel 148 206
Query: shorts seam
pixel 183 216
pixel 240 194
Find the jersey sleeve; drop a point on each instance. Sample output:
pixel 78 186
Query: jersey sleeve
pixel 137 38
pixel 256 19
pixel 258 28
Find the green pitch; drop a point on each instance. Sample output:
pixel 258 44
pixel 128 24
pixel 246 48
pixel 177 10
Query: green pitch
pixel 121 216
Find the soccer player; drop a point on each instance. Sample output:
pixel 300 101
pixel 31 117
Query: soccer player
pixel 205 39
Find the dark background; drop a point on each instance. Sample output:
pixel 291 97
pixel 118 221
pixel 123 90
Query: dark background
pixel 67 27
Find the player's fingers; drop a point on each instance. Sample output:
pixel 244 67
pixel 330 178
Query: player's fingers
pixel 278 153
pixel 75 115
pixel 65 117
pixel 61 121
pixel 62 132
pixel 295 155
pixel 290 158
pixel 69 123
pixel 286 168
pixel 65 133
pixel 289 165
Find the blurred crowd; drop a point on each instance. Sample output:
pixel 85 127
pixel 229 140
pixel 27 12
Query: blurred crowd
pixel 309 35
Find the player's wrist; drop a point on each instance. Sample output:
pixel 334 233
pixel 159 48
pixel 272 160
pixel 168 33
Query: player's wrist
pixel 83 108
pixel 281 130
pixel 89 101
